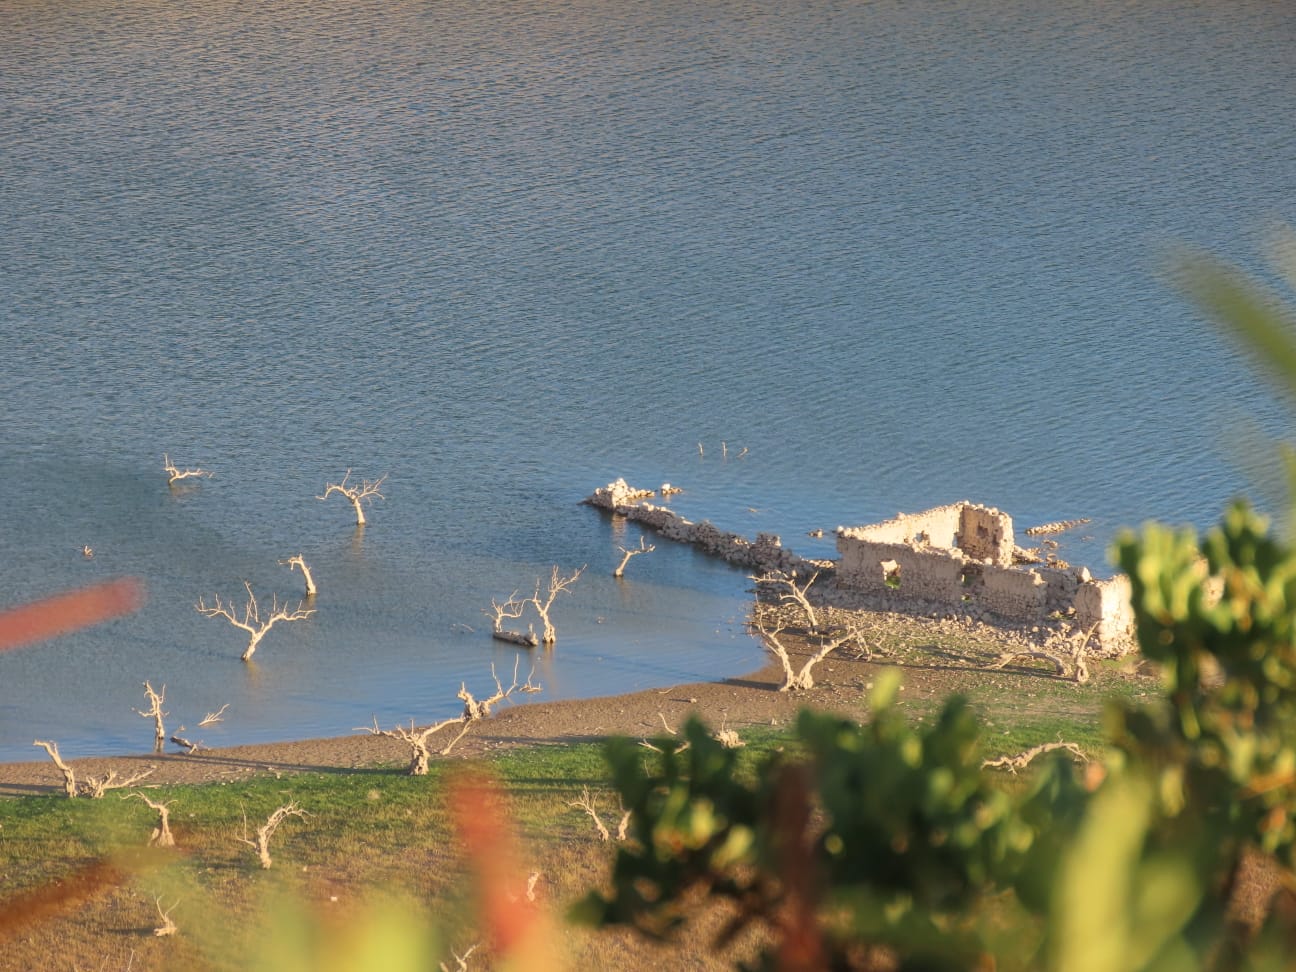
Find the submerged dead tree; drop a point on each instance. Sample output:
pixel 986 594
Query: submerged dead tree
pixel 627 553
pixel 356 494
pixel 251 621
pixel 174 474
pixel 512 608
pixel 296 561
pixel 155 713
pixel 557 585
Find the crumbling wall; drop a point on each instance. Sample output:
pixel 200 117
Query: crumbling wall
pixel 951 559
pixel 765 554
pixel 959 558
pixel 936 527
pixel 985 534
pixel 1016 594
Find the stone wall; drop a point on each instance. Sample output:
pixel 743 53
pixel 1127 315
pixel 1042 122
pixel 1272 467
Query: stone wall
pixel 955 559
pixel 766 553
pixel 918 562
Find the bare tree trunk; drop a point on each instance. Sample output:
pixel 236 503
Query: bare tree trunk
pixel 155 713
pixel 267 831
pixel 69 777
pixel 557 585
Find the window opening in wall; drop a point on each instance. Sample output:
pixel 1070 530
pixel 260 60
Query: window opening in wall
pixel 891 574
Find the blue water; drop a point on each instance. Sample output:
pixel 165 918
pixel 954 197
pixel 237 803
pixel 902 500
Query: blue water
pixel 900 253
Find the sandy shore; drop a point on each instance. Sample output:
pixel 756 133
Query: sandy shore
pixel 748 700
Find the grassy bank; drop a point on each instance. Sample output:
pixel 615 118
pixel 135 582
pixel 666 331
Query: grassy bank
pixel 377 833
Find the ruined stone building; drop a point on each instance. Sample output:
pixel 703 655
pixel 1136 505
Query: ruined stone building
pixel 959 559
pixel 964 556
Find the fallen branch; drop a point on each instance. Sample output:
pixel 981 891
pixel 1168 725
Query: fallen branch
pixel 191 748
pixel 96 786
pixel 1019 762
pixel 512 608
pixel 461 961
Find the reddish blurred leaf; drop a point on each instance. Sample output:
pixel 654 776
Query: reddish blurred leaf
pixel 65 613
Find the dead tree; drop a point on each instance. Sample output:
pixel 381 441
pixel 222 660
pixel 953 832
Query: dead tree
pixel 155 713
pixel 96 786
pixel 69 777
pixel 419 740
pixel 512 608
pixel 803 680
pixel 356 494
pixel 461 961
pixel 174 475
pixel 297 561
pixel 267 830
pixel 586 803
pixel 628 553
pixel 797 595
pixel 557 585
pixel 161 836
pixel 251 621
pixel 168 927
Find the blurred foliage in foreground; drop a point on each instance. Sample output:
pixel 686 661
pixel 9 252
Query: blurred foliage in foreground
pixel 889 846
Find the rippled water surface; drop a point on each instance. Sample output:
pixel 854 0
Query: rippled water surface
pixel 901 254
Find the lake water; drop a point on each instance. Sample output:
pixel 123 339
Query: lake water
pixel 814 262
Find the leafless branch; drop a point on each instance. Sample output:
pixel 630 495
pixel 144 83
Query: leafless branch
pixel 161 836
pixel 419 740
pixel 267 830
pixel 168 927
pixel 356 494
pixel 96 786
pixel 461 961
pixel 69 777
pixel 512 608
pixel 1024 759
pixel 794 680
pixel 251 621
pixel 155 713
pixel 211 718
pixel 557 585
pixel 174 475
pixel 793 593
pixel 628 553
pixel 296 561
